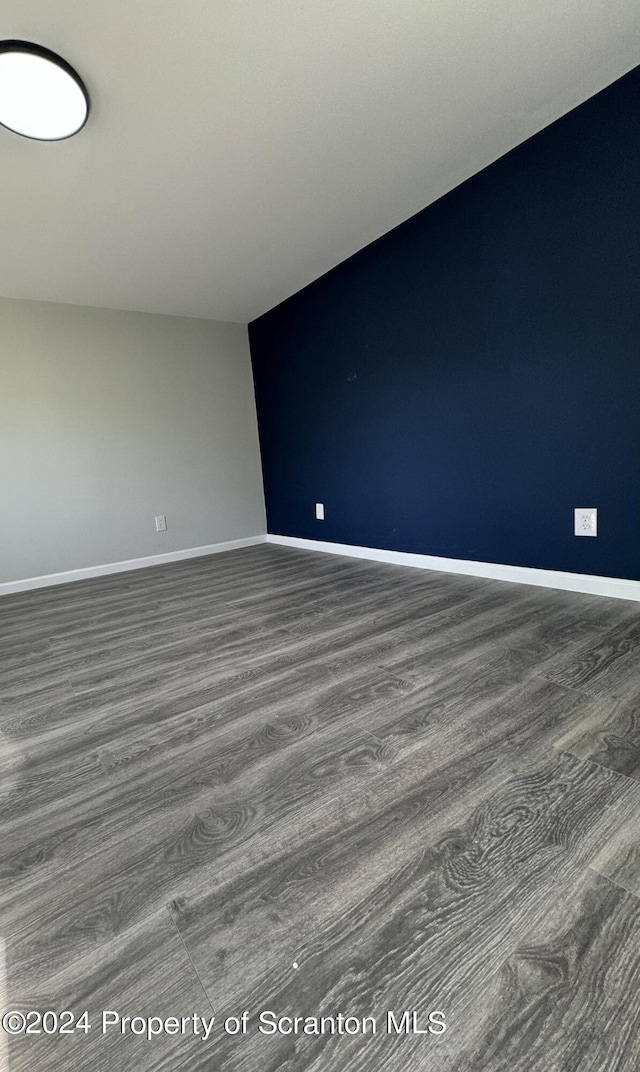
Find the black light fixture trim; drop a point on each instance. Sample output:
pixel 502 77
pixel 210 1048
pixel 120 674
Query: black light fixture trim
pixel 46 54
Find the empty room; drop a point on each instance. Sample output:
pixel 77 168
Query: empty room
pixel 320 536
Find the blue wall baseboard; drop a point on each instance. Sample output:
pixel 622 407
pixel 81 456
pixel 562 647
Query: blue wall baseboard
pixel 456 388
pixel 612 587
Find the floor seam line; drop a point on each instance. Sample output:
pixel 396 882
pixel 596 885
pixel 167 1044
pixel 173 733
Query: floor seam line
pixel 594 763
pixel 618 885
pixel 190 958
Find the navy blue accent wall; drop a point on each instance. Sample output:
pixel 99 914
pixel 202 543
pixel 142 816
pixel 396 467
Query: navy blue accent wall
pixel 460 385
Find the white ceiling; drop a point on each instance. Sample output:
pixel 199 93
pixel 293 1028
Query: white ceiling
pixel 238 149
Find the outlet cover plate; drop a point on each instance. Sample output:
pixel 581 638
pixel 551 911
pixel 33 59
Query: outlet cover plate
pixel 585 521
pixel 319 511
pixel 161 523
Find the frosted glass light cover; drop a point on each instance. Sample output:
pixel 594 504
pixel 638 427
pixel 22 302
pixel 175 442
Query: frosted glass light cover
pixel 40 96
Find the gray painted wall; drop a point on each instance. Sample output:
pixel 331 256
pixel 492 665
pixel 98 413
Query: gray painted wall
pixel 108 418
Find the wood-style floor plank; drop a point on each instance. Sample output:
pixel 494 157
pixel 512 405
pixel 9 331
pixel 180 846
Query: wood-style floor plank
pixel 610 737
pixel 421 789
pixel 145 972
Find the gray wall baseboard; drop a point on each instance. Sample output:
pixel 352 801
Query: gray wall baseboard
pixel 9 587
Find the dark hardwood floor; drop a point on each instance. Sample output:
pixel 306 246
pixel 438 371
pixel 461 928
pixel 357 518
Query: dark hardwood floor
pixel 274 780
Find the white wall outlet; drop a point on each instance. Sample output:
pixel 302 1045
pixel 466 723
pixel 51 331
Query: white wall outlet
pixel 319 511
pixel 585 521
pixel 161 523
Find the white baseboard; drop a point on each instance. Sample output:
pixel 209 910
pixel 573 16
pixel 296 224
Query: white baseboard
pixel 8 587
pixel 617 587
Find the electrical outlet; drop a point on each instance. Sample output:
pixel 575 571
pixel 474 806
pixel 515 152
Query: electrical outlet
pixel 585 521
pixel 161 523
pixel 319 511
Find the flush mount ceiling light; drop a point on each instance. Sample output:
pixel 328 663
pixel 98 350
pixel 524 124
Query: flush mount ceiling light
pixel 41 96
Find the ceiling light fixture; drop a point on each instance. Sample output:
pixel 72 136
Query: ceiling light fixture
pixel 41 96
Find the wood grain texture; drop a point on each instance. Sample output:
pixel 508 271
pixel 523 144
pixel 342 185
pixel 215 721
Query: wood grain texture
pixel 145 972
pixel 421 789
pixel 610 736
pixel 613 845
